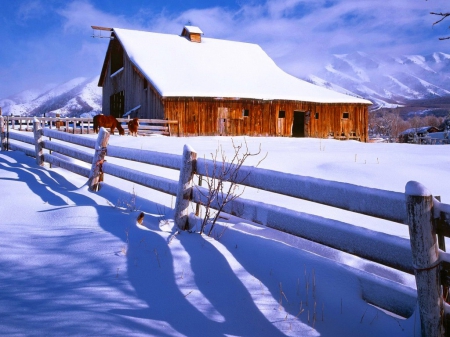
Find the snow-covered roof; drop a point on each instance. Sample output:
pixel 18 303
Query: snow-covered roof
pixel 193 29
pixel 421 129
pixel 177 67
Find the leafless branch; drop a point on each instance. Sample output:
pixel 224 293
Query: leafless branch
pixel 444 16
pixel 223 183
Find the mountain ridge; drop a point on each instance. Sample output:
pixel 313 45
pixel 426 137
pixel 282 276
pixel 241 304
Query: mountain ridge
pixel 74 98
pixel 387 81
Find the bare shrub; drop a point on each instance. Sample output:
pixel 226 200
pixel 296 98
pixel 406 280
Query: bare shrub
pixel 223 184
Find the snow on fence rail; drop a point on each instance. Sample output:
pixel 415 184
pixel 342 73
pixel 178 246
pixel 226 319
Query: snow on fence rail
pixel 425 215
pixel 86 125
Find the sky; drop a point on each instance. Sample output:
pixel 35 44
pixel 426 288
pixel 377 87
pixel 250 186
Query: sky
pixel 48 42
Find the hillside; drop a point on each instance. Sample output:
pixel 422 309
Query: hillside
pixel 388 81
pixel 73 98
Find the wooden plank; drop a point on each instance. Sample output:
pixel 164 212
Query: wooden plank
pixel 443 225
pixel 96 173
pixel 79 140
pixel 17 147
pixel 68 151
pixel 153 127
pixel 102 28
pixel 263 117
pixel 144 120
pixel 149 133
pixel 445 273
pixel 149 128
pixel 3 138
pixel 143 178
pixel 425 258
pixel 25 138
pixel 72 167
pixel 185 187
pixel 349 238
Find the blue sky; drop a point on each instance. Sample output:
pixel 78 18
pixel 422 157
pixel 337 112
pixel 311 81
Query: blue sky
pixel 49 41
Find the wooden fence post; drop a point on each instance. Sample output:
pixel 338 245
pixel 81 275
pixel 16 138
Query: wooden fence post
pixel 2 133
pixel 185 185
pixel 96 174
pixel 38 142
pixel 7 132
pixel 197 206
pixel 58 122
pixel 425 254
pixel 441 237
pixel 441 243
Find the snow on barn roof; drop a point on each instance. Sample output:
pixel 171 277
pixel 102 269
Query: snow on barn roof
pixel 217 68
pixel 193 29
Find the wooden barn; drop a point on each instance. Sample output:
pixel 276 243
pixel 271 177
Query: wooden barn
pixel 219 87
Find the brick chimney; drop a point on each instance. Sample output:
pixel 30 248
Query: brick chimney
pixel 192 33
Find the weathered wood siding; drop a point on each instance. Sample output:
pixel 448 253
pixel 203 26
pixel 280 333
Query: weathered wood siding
pixel 136 92
pixel 194 37
pixel 205 116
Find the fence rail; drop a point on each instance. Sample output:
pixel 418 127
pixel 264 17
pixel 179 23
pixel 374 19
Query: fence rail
pixel 425 215
pixel 86 126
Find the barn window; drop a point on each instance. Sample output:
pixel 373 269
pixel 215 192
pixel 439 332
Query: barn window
pixel 117 104
pixel 245 113
pixel 281 114
pixel 345 115
pixel 116 56
pixel 145 84
pixel 316 115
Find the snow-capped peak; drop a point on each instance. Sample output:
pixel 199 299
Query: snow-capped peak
pixel 388 80
pixel 72 98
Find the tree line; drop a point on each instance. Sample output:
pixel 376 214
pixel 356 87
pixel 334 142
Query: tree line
pixel 389 124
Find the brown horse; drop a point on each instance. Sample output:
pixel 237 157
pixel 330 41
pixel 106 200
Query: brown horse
pixel 107 122
pixel 133 127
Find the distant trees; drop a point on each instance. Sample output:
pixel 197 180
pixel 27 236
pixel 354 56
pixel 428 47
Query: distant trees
pixel 389 124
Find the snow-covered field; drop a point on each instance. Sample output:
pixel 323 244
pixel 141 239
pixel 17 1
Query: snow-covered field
pixel 76 263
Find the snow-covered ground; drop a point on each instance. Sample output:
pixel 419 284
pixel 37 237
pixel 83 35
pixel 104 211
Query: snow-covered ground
pixel 76 263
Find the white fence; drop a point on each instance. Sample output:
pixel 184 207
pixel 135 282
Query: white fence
pixel 427 218
pixel 86 125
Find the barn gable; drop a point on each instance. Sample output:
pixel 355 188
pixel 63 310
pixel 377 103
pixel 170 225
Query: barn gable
pixel 219 87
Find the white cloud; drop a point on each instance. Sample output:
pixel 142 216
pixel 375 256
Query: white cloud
pixel 285 28
pixel 81 15
pixel 29 10
pixel 300 34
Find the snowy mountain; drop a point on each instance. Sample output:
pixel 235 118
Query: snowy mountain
pixel 387 81
pixel 76 97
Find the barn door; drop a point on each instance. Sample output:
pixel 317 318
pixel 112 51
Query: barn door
pixel 298 126
pixel 222 129
pixel 222 120
pixel 117 104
